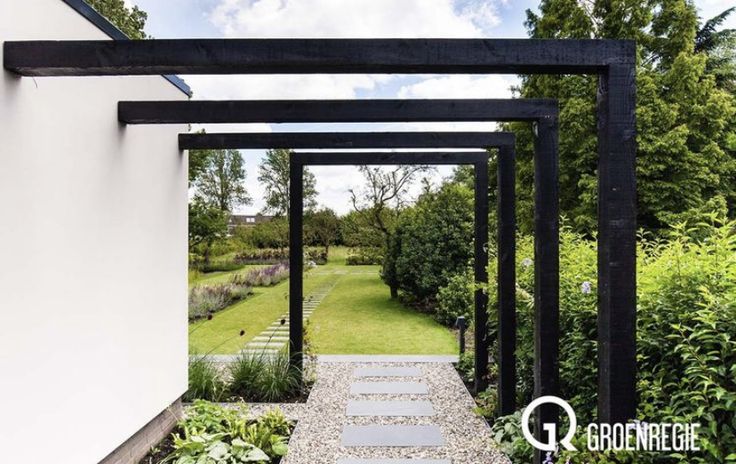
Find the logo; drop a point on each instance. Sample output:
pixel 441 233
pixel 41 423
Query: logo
pixel 551 429
pixel 634 436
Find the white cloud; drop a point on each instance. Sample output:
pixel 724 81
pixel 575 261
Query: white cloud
pixel 296 86
pixel 460 86
pixel 354 18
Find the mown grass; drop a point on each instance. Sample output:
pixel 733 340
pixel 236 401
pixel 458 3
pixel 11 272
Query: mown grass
pixel 357 316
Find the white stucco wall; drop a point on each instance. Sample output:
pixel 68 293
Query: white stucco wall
pixel 93 282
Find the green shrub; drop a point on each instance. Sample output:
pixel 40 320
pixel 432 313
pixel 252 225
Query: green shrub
pixel 436 238
pixel 264 377
pixel 205 381
pixel 455 299
pixel 686 351
pixel 364 256
pixel 205 300
pixel 213 434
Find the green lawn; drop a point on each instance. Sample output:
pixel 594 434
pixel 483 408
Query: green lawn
pixel 359 317
pixel 356 317
pixel 254 314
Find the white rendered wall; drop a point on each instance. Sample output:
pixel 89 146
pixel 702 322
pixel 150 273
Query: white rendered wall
pixel 93 255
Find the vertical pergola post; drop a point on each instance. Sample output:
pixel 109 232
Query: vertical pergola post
pixel 481 274
pixel 617 244
pixel 506 279
pixel 546 273
pixel 296 264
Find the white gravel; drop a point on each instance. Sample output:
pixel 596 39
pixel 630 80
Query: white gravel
pixel 316 439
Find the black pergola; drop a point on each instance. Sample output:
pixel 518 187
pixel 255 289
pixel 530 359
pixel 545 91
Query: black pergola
pixel 612 60
pixel 503 141
pixel 542 112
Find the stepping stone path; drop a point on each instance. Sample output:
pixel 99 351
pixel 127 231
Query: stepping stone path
pixel 276 337
pixel 411 412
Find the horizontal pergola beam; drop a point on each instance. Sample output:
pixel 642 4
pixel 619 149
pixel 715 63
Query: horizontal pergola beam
pixel 389 140
pixel 381 158
pixel 309 56
pixel 334 111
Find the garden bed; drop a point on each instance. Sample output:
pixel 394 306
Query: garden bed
pixel 227 433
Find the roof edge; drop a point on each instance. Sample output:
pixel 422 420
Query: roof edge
pixel 102 23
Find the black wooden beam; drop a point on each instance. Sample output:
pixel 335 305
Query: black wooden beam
pixel 546 274
pixel 345 140
pixel 387 158
pixel 480 271
pixel 617 245
pixel 506 279
pixel 336 111
pixel 309 56
pixel 296 267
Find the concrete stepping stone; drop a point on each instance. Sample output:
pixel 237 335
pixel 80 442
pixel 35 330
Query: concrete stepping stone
pixel 392 435
pixel 388 388
pixel 392 461
pixel 389 408
pixel 387 372
pixel 276 338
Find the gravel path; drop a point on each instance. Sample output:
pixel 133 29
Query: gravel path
pixel 324 429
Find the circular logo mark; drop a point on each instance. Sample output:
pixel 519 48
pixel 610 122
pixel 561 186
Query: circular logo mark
pixel 551 429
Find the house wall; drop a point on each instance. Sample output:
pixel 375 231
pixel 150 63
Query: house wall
pixel 93 255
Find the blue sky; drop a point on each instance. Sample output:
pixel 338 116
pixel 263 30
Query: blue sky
pixel 346 18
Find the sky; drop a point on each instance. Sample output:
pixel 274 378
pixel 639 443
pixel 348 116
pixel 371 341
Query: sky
pixel 339 19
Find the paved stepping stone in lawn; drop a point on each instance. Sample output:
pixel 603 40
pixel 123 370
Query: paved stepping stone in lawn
pixel 387 372
pixel 277 329
pixel 392 435
pixel 388 388
pixel 389 408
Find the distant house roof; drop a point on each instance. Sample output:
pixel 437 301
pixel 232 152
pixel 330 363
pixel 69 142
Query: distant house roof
pixel 110 29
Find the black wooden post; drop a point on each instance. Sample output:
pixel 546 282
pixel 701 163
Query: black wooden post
pixel 546 273
pixel 506 279
pixel 481 275
pixel 617 244
pixel 296 264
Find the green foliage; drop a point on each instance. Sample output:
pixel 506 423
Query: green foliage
pixel 273 173
pixel 270 234
pixel 261 377
pixel 213 434
pixel 433 242
pixel 206 225
pixel 204 381
pixel 686 119
pixel 362 256
pixel 130 21
pixel 456 299
pixel 686 352
pixel 321 228
pixel 204 300
pixel 221 182
pixel 357 231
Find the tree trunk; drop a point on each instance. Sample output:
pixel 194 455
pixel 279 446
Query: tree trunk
pixel 394 292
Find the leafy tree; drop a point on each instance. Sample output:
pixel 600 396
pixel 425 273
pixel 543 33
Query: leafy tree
pixel 221 183
pixel 381 200
pixel 274 175
pixel 355 231
pixel 271 234
pixel 130 21
pixel 433 241
pixel 322 228
pixel 720 48
pixel 685 122
pixel 207 224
